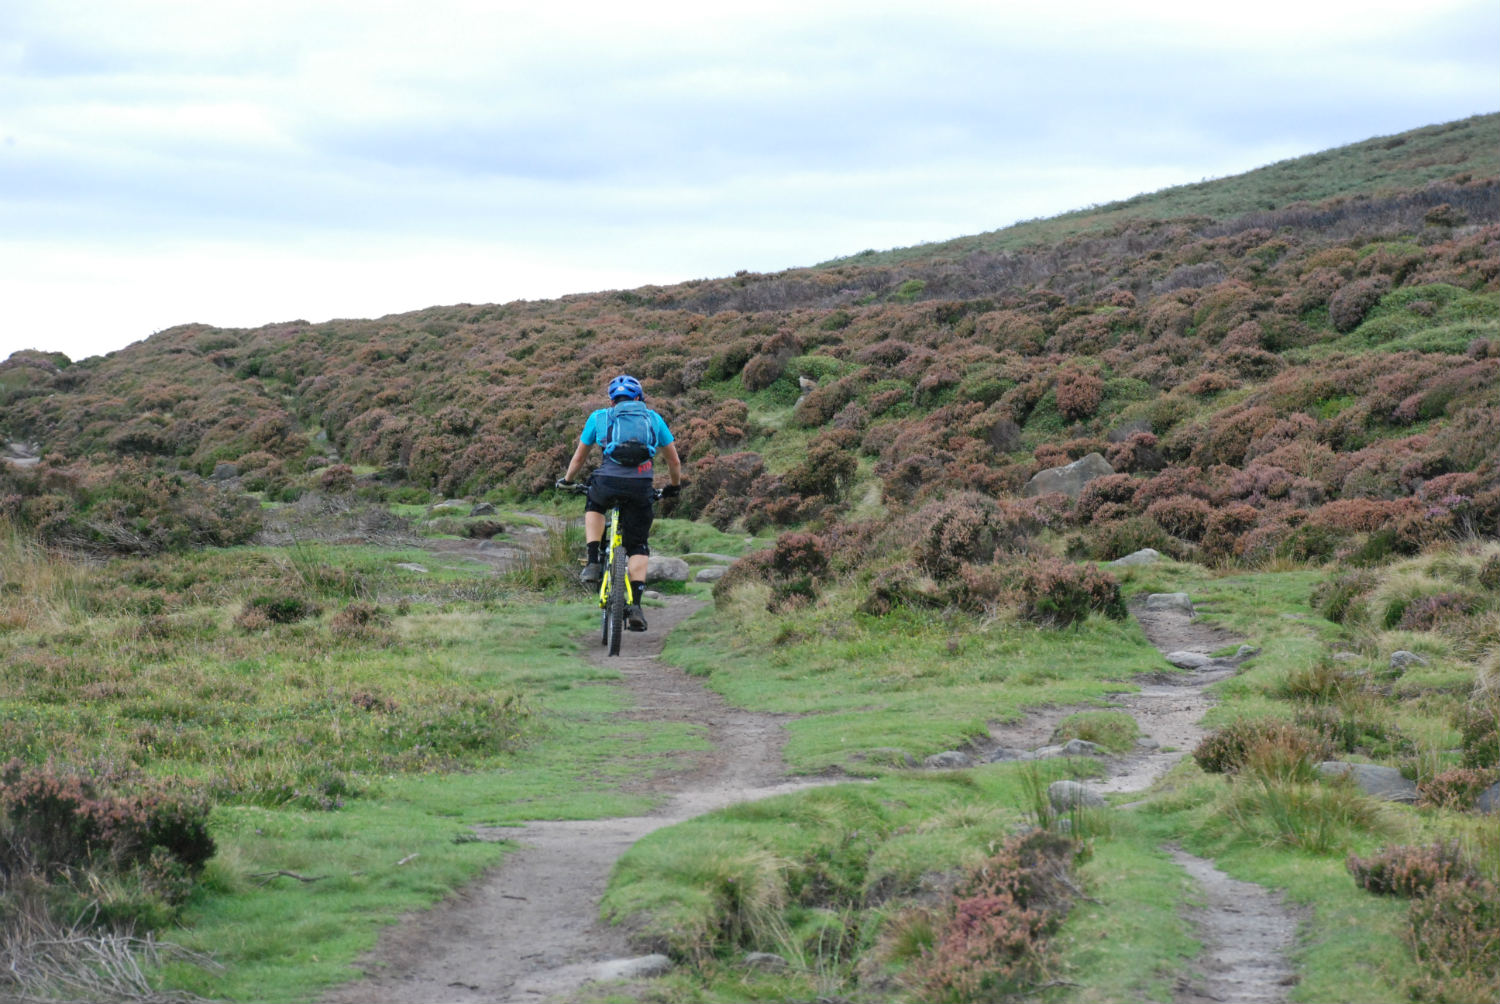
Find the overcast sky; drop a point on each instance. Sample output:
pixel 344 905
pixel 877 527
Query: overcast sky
pixel 241 163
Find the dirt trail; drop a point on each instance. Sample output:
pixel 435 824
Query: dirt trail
pixel 529 929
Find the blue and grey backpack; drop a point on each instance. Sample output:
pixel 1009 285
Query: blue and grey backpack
pixel 630 435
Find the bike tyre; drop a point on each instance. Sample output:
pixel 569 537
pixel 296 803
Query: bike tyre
pixel 615 626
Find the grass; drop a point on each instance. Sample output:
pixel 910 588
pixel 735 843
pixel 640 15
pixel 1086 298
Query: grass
pixel 356 752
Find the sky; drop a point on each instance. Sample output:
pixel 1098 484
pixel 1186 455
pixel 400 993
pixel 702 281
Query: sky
pixel 244 163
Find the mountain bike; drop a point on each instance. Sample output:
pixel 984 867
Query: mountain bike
pixel 615 591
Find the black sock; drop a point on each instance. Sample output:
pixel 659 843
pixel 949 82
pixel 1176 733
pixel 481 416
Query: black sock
pixel 594 547
pixel 636 589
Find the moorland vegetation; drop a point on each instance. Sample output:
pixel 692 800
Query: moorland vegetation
pixel 1294 376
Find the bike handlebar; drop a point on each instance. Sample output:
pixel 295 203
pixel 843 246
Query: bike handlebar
pixel 582 488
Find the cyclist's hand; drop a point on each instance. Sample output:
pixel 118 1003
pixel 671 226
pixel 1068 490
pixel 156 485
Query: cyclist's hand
pixel 671 491
pixel 563 484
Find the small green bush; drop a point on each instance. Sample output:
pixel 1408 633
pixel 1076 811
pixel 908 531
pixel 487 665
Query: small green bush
pixel 1227 749
pixel 1116 731
pixel 1060 594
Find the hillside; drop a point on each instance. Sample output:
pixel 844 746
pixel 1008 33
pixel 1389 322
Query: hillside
pixel 258 690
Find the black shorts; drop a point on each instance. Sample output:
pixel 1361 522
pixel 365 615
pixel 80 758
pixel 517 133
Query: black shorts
pixel 634 496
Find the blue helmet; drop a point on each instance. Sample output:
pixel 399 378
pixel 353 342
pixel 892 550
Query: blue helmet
pixel 626 386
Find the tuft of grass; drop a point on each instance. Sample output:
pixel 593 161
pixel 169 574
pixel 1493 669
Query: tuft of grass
pixel 1116 731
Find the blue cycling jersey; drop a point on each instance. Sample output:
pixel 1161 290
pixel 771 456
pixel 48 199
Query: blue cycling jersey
pixel 596 429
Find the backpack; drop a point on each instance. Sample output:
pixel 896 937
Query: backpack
pixel 630 435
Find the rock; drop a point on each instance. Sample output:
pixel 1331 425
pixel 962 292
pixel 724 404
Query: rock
pixel 713 573
pixel 765 960
pixel 644 967
pixel 1043 752
pixel 664 569
pixel 948 760
pixel 804 384
pixel 1065 795
pixel 483 509
pixel 1145 556
pixel 1069 479
pixel 1488 801
pixel 1385 783
pixel 1188 660
pixel 1082 747
pixel 1402 659
pixel 1146 743
pixel 412 566
pixel 1245 652
pixel 1170 601
pixel 1346 657
pixel 448 507
pixel 650 594
pixel 1005 753
pixel 223 472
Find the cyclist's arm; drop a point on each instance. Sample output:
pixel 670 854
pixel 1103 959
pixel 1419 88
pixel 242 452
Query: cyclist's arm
pixel 580 458
pixel 674 463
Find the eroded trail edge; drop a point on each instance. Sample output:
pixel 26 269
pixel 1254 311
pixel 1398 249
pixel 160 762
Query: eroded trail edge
pixel 529 929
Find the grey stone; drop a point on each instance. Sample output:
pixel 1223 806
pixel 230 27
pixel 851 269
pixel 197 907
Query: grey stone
pixel 448 507
pixel 713 573
pixel 1246 651
pixel 1145 556
pixel 765 960
pixel 1346 657
pixel 1488 801
pixel 1068 479
pixel 644 967
pixel 663 569
pixel 1146 743
pixel 412 566
pixel 1082 747
pixel 1043 752
pixel 223 472
pixel 1188 660
pixel 948 760
pixel 1005 753
pixel 806 384
pixel 1065 795
pixel 650 594
pixel 483 509
pixel 1170 601
pixel 1402 659
pixel 1385 783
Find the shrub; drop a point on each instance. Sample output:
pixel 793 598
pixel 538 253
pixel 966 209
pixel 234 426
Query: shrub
pixel 1410 871
pixel 1478 725
pixel 1059 594
pixel 992 942
pixel 1227 749
pixel 276 609
pixel 1112 488
pixel 1184 516
pixel 1348 307
pixel 1079 394
pixel 1458 788
pixel 967 528
pixel 1116 731
pixel 1337 598
pixel 337 478
pixel 1431 612
pixel 1454 931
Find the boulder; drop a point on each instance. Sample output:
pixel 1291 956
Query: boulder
pixel 1082 747
pixel 948 760
pixel 1488 801
pixel 1385 783
pixel 1069 479
pixel 1170 601
pixel 1402 659
pixel 448 507
pixel 713 573
pixel 1005 753
pixel 765 960
pixel 223 472
pixel 1065 795
pixel 1145 556
pixel 664 569
pixel 1188 660
pixel 483 509
pixel 643 967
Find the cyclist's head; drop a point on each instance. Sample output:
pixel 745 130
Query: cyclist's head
pixel 626 387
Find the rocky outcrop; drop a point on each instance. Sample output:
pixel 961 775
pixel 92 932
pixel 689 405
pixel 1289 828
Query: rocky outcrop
pixel 1069 479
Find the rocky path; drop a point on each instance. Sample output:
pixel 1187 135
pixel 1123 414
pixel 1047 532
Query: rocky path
pixel 529 930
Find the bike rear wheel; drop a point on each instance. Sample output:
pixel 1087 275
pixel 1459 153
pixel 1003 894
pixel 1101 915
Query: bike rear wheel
pixel 614 611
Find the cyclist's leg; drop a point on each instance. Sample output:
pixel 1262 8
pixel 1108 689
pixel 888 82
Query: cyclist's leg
pixel 593 532
pixel 636 516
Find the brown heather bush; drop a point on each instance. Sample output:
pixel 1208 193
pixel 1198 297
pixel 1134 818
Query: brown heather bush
pixel 1348 306
pixel 968 528
pixel 1410 871
pixel 1119 489
pixel 1183 516
pixel 1135 454
pixel 1457 788
pixel 993 943
pixel 1229 748
pixel 1057 593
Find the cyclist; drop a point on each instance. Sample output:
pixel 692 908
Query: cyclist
pixel 627 485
